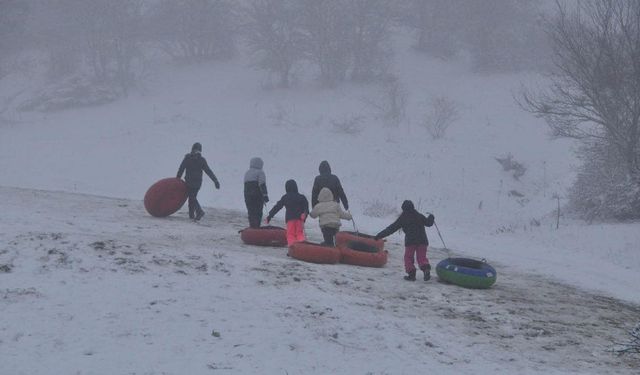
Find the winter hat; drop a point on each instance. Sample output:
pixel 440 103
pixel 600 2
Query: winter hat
pixel 407 206
pixel 256 163
pixel 196 147
pixel 291 186
pixel 324 167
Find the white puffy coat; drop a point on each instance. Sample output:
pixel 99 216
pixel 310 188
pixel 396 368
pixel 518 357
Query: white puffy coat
pixel 328 211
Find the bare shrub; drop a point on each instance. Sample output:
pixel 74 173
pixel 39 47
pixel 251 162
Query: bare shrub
pixel 195 30
pixel 72 92
pixel 100 37
pixel 281 117
pixel 377 208
pixel 391 106
pixel 350 125
pixel 275 36
pixel 370 29
pixel 516 168
pixel 633 345
pixel 442 114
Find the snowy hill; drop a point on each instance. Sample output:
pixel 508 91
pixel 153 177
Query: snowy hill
pixel 90 285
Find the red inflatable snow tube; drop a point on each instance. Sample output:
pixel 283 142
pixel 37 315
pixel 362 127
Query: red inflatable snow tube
pixel 165 197
pixel 264 236
pixel 360 249
pixel 314 253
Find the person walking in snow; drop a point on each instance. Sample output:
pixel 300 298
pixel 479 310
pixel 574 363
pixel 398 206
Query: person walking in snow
pixel 297 209
pixel 329 213
pixel 330 181
pixel 415 241
pixel 194 164
pixel 255 191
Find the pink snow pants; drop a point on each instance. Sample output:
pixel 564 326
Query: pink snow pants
pixel 417 251
pixel 295 231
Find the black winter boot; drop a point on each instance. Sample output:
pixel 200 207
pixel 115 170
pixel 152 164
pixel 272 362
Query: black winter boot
pixel 427 271
pixel 199 215
pixel 411 276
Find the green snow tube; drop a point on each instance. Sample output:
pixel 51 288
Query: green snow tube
pixel 468 273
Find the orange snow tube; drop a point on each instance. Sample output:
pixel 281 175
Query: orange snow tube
pixel 264 236
pixel 165 197
pixel 314 253
pixel 360 249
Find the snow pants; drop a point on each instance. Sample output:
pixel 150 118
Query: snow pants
pixel 254 209
pixel 329 234
pixel 194 206
pixel 415 251
pixel 295 231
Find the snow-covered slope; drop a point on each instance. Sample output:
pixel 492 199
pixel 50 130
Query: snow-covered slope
pixel 91 285
pixel 94 285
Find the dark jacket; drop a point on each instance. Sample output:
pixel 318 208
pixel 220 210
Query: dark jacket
pixel 255 182
pixel 330 181
pixel 412 223
pixel 295 203
pixel 194 164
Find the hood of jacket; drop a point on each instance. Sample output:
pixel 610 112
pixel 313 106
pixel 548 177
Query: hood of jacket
pixel 291 187
pixel 325 195
pixel 408 206
pixel 256 163
pixel 324 168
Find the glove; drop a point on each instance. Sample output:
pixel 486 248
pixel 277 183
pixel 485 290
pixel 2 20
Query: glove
pixel 430 220
pixel 346 206
pixel 217 184
pixel 265 199
pixel 376 237
pixel 303 217
pixel 267 220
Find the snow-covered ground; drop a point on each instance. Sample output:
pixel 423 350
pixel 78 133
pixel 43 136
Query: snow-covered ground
pixel 94 285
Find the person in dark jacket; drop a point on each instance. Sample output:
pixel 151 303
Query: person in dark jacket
pixel 330 181
pixel 415 241
pixel 297 209
pixel 255 191
pixel 194 164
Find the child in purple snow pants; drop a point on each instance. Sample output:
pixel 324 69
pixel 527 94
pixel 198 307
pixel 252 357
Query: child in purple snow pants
pixel 413 224
pixel 412 252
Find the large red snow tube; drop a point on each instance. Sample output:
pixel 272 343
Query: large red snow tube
pixel 264 236
pixel 165 197
pixel 360 249
pixel 359 240
pixel 314 253
pixel 362 258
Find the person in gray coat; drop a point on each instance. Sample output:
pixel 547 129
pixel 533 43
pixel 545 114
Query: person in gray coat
pixel 255 191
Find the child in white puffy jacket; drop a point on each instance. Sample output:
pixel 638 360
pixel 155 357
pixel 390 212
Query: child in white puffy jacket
pixel 329 213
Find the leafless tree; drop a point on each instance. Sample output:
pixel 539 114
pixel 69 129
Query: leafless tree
pixel 194 30
pixel 504 35
pixel 327 28
pixel 275 36
pixel 391 105
pixel 442 114
pixel 13 17
pixel 103 35
pixel 371 23
pixel 594 95
pixel 438 25
pixel 498 35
